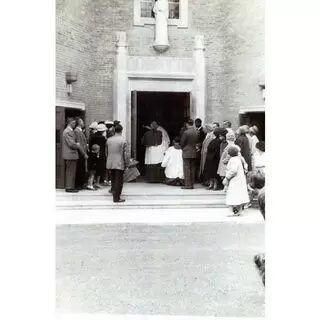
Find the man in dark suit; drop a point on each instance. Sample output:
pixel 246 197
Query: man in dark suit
pixel 83 150
pixel 184 128
pixel 70 154
pixel 188 144
pixel 201 137
pixel 117 161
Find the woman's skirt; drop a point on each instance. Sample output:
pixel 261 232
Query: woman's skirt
pixel 211 169
pixel 101 167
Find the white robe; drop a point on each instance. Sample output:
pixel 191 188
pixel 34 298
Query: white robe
pixel 259 161
pixel 237 193
pixel 165 138
pixel 254 140
pixel 154 155
pixel 173 163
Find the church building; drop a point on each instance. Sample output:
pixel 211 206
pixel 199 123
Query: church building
pixel 141 60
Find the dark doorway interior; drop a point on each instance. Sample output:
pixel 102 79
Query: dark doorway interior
pixel 62 114
pixel 257 119
pixel 169 109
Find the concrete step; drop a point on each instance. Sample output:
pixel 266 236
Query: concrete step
pixel 139 203
pixel 142 196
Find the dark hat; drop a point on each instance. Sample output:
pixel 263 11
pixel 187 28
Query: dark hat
pixel 216 132
pixel 220 132
pixel 223 132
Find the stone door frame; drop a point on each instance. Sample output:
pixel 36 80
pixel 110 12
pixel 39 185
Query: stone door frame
pixel 157 73
pixel 155 85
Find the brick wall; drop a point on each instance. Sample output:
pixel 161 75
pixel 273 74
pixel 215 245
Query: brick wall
pixel 74 47
pixel 234 41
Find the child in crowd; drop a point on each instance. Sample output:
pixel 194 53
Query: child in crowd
pixel 93 157
pixel 235 182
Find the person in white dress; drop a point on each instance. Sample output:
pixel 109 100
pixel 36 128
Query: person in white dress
pixel 173 164
pixel 235 182
pixel 253 134
pixel 259 158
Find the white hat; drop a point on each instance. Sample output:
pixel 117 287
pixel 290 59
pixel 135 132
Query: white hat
pixel 101 127
pixel 93 125
pixel 108 122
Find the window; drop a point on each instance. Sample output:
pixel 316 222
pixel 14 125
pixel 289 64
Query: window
pixel 174 9
pixel 147 5
pixel 178 12
pixel 146 8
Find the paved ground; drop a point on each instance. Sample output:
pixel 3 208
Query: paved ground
pixel 199 268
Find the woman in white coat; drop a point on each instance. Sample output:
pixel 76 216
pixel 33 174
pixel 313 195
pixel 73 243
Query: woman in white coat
pixel 235 182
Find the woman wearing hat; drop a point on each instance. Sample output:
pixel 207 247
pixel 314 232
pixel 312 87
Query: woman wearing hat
pixel 110 128
pixel 235 182
pixel 210 171
pixel 243 142
pixel 204 149
pixel 99 138
pixel 254 139
pixel 92 130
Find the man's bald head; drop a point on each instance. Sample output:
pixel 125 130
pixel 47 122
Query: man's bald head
pixel 154 125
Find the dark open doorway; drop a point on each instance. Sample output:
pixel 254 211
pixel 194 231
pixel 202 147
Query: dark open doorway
pixel 169 109
pixel 62 114
pixel 255 119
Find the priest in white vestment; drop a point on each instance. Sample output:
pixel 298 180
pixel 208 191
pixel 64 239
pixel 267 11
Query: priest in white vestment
pixel 152 140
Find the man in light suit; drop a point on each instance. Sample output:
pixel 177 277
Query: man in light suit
pixel 188 144
pixel 70 154
pixel 117 161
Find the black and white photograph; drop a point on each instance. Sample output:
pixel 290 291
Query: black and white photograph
pixel 140 152
pixel 160 157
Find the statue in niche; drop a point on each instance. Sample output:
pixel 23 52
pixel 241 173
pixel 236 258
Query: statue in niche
pixel 161 12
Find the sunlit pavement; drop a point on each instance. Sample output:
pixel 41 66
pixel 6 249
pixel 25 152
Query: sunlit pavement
pixel 173 267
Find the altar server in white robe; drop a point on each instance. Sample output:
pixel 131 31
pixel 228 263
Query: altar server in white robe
pixel 173 164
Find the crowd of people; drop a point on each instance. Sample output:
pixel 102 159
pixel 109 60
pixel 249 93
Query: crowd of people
pixel 99 159
pixel 218 157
